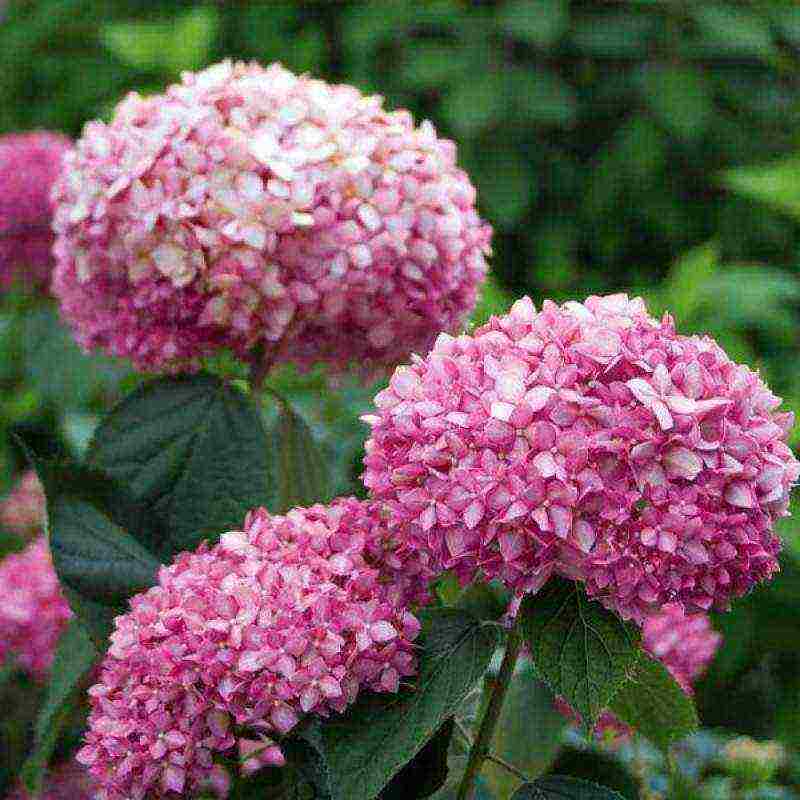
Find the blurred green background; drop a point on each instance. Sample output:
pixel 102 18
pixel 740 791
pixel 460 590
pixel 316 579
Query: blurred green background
pixel 643 146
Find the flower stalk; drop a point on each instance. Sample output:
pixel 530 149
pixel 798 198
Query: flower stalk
pixel 480 750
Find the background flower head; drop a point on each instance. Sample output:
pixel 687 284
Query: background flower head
pixel 29 166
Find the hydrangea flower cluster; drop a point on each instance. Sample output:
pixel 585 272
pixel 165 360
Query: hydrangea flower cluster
pixel 33 611
pixel 291 616
pixel 29 166
pixel 23 510
pixel 248 206
pixel 684 643
pixel 66 782
pixel 592 440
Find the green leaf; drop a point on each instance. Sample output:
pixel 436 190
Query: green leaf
pixel 193 451
pixel 300 473
pixel 580 649
pixel 540 22
pixel 476 103
pixel 613 35
pixel 654 704
pixel 55 366
pixel 364 748
pixel 74 657
pixel 734 31
pixel 426 773
pixel 542 97
pixel 431 65
pixel 172 45
pixel 505 179
pixel 681 99
pixel 685 286
pixel 776 184
pixel 89 522
pixel 560 787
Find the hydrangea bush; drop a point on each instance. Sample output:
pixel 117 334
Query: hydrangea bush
pixel 237 632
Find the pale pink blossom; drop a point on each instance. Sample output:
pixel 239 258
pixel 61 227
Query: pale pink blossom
pixel 591 440
pixel 294 615
pixel 249 207
pixel 23 510
pixel 684 643
pixel 33 611
pixel 29 165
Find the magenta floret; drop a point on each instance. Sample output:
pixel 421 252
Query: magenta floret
pixel 591 440
pixel 29 166
pixel 248 206
pixel 294 615
pixel 33 611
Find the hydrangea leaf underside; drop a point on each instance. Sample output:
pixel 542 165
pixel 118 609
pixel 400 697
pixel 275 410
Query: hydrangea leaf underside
pixel 193 450
pixel 559 787
pixel 363 749
pixel 654 704
pixel 581 650
pixel 74 657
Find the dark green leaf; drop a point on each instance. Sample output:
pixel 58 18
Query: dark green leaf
pixel 363 749
pixel 74 657
pixel 94 555
pixel 474 104
pixel 426 773
pixel 99 562
pixel 300 473
pixel 580 649
pixel 540 22
pixel 55 366
pixel 613 35
pixel 192 450
pixel 559 787
pixel 596 766
pixel 653 703
pixel 681 99
pixel 541 97
pixel 733 31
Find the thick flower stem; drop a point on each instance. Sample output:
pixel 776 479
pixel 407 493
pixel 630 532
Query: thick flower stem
pixel 483 740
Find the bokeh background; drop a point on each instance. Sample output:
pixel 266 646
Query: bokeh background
pixel 645 146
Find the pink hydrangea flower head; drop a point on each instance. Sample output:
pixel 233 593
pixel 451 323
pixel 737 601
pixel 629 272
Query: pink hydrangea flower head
pixel 592 440
pixel 66 782
pixel 291 616
pixel 29 166
pixel 684 643
pixel 23 510
pixel 249 206
pixel 33 611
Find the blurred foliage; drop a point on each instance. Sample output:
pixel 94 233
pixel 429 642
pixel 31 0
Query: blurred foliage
pixel 648 146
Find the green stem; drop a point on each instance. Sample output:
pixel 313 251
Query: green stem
pixel 483 740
